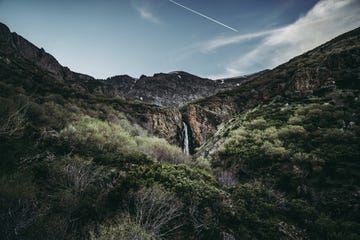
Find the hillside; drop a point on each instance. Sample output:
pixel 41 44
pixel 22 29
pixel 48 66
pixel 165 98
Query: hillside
pixel 334 65
pixel 274 158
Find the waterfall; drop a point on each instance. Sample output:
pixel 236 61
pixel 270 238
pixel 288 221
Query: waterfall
pixel 186 138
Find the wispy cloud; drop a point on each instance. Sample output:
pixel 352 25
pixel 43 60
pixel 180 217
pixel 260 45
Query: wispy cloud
pixel 145 13
pixel 224 41
pixel 326 20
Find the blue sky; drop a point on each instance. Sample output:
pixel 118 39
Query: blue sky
pixel 217 38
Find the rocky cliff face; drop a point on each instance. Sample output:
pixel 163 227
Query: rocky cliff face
pixel 203 119
pixel 164 122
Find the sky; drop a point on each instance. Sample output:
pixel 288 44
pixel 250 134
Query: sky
pixel 212 38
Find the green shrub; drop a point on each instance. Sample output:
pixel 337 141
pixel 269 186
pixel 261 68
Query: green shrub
pixel 161 150
pixel 123 228
pixel 291 131
pixel 185 182
pixel 94 135
pixel 258 123
pixel 99 137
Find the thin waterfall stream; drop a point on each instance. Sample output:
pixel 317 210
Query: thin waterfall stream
pixel 186 139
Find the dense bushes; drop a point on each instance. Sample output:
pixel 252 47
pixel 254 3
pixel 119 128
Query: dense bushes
pixel 291 155
pixel 96 136
pixel 309 151
pixel 74 167
pixel 122 228
pixel 102 177
pixel 307 137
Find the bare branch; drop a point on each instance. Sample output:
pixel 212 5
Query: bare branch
pixel 155 209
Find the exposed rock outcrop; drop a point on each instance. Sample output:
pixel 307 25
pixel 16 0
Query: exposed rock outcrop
pixel 204 119
pixel 162 122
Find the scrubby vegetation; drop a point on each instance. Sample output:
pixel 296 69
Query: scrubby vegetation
pixel 305 153
pixel 64 168
pixel 75 168
pixel 287 170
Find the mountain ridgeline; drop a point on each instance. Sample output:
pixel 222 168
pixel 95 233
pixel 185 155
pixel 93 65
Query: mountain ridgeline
pixel 172 89
pixel 272 155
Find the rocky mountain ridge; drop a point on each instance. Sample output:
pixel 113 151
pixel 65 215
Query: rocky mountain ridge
pixel 16 47
pixel 167 89
pixel 172 89
pixel 335 64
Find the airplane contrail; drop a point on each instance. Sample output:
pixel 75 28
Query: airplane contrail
pixel 204 16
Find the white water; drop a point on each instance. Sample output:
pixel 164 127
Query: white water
pixel 186 138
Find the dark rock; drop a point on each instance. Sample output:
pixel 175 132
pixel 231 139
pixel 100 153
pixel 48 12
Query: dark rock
pixel 171 89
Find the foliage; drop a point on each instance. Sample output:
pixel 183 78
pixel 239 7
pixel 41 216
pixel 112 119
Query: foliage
pixel 96 135
pixel 92 135
pixel 187 183
pixel 123 228
pixel 155 209
pixel 12 117
pixel 308 151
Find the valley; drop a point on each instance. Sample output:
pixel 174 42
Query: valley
pixel 271 155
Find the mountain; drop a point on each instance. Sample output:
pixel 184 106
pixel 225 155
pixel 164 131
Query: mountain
pixel 294 130
pixel 38 74
pixel 14 46
pixel 274 157
pixel 334 65
pixel 171 89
